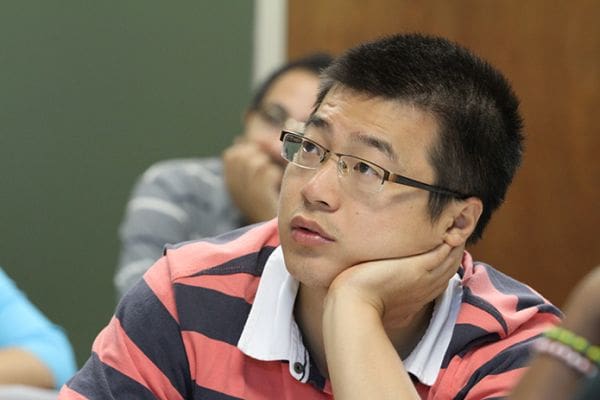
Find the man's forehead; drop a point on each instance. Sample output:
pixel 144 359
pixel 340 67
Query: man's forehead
pixel 392 126
pixel 349 105
pixel 340 94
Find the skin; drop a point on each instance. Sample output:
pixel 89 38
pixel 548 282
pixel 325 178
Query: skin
pixel 19 367
pixel 369 266
pixel 253 164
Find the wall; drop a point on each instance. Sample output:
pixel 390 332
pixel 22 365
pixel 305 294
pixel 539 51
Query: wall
pixel 546 234
pixel 91 93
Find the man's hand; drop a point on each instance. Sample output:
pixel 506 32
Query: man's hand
pixel 253 180
pixel 368 303
pixel 398 288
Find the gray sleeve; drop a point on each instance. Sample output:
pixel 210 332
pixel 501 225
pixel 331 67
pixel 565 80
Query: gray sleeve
pixel 173 201
pixel 154 216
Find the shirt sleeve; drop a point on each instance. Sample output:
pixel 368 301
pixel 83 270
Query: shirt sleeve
pixel 140 354
pixel 174 201
pixel 489 371
pixel 25 327
pixel 155 215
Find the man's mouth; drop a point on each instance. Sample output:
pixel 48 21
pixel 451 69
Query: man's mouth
pixel 309 231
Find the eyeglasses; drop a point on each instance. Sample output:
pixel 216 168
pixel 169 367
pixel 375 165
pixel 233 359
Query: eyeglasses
pixel 361 174
pixel 278 117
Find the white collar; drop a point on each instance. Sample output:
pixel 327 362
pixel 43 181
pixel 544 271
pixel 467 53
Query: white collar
pixel 425 360
pixel 271 333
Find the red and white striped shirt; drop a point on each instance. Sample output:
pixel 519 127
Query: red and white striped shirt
pixel 175 335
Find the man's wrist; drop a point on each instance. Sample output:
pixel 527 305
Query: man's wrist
pixel 345 298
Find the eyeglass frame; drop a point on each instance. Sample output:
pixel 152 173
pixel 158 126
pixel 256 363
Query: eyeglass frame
pixel 280 118
pixel 387 175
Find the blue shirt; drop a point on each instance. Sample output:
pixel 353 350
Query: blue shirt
pixel 23 326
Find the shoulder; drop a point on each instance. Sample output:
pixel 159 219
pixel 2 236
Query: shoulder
pixel 506 303
pixel 196 185
pixel 208 171
pixel 232 260
pixel 18 312
pixel 239 250
pixel 194 279
pixel 198 294
pixel 184 166
pixel 10 295
pixel 5 281
pixel 499 317
pixel 14 308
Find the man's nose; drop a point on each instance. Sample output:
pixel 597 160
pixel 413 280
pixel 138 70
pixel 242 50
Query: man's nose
pixel 322 188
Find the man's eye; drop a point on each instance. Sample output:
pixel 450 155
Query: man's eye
pixel 274 114
pixel 309 147
pixel 365 169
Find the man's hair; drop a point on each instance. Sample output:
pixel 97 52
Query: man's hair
pixel 314 63
pixel 480 141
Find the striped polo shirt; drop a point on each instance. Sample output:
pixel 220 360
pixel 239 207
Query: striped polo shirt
pixel 175 335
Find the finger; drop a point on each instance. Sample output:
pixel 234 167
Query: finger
pixel 235 151
pixel 271 175
pixel 454 257
pixel 435 258
pixel 273 149
pixel 243 147
pixel 449 265
pixel 435 288
pixel 440 286
pixel 245 158
pixel 260 163
pixel 240 139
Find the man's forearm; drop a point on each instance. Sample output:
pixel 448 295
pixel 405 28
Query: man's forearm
pixel 21 367
pixel 361 359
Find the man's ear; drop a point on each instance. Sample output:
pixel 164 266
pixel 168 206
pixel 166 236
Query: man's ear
pixel 464 215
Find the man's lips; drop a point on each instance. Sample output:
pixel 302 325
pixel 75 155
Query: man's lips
pixel 309 227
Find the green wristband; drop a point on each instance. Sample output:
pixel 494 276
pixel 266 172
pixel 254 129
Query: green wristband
pixel 575 342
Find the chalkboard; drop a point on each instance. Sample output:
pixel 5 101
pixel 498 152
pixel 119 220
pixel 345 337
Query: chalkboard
pixel 91 94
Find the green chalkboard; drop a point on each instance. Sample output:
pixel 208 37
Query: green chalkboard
pixel 91 94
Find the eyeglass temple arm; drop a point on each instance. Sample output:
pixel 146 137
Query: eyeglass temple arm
pixel 399 178
pixel 430 188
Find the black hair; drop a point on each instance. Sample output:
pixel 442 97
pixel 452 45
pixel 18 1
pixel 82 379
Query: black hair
pixel 314 63
pixel 480 143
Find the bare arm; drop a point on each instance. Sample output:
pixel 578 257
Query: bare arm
pixel 23 368
pixel 354 338
pixel 367 302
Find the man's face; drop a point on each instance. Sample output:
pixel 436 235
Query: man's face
pixel 290 99
pixel 326 226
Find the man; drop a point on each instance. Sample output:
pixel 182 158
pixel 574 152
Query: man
pixel 361 289
pixel 187 199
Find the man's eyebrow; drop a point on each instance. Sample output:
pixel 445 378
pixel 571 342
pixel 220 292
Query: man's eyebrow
pixel 379 144
pixel 369 140
pixel 317 122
